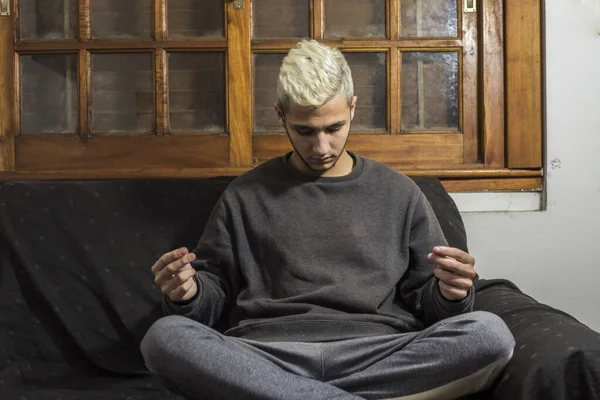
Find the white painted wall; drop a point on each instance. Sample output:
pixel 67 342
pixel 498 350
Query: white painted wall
pixel 554 255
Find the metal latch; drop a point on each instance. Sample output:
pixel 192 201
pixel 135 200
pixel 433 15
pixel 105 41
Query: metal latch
pixel 470 6
pixel 4 7
pixel 238 4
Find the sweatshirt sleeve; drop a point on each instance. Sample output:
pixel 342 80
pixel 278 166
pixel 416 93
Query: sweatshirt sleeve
pixel 217 274
pixel 419 287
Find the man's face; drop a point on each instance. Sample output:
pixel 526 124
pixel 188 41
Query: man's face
pixel 319 136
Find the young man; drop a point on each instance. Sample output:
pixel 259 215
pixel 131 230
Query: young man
pixel 331 270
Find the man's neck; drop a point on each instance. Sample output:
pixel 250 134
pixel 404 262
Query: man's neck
pixel 342 167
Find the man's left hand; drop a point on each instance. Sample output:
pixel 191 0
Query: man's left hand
pixel 455 271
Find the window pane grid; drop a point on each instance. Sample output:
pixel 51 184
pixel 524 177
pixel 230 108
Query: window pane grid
pixel 360 42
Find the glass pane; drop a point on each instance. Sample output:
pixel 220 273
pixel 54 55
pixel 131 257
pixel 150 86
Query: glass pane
pixel 275 19
pixel 47 19
pixel 430 90
pixel 355 18
pixel 368 73
pixel 429 18
pixel 122 93
pixel 266 71
pixel 197 92
pixel 369 76
pixel 49 93
pixel 193 18
pixel 121 18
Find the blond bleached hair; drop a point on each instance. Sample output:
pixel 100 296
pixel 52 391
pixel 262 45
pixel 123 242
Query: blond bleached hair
pixel 312 74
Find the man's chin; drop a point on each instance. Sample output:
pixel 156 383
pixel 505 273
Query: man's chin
pixel 321 168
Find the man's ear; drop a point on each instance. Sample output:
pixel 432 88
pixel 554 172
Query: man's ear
pixel 353 107
pixel 279 114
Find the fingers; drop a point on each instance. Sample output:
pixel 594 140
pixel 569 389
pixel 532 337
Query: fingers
pixel 168 258
pixel 184 291
pixel 452 293
pixel 167 272
pixel 457 254
pixel 453 266
pixel 455 271
pixel 174 274
pixel 179 279
pixel 453 280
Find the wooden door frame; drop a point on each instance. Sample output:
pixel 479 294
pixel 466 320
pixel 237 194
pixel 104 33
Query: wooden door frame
pixel 7 94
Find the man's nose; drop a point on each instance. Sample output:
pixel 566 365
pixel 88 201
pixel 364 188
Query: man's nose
pixel 321 144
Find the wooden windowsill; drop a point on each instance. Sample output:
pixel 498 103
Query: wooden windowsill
pixel 458 180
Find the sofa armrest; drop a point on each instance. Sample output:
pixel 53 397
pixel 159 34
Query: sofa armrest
pixel 556 357
pixel 445 210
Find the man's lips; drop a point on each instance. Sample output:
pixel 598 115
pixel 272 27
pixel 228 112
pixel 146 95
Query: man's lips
pixel 322 160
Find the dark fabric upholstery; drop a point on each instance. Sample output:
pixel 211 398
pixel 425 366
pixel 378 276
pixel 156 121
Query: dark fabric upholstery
pixel 77 294
pixel 556 357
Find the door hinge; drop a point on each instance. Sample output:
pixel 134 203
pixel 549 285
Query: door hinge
pixel 470 6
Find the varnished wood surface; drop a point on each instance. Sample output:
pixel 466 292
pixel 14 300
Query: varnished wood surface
pixel 453 181
pixel 492 102
pixel 470 73
pixel 161 79
pixel 121 45
pixel 394 97
pixel 393 17
pixel 16 20
pixel 317 21
pixel 84 79
pixel 404 150
pixel 7 96
pixel 493 184
pixel 524 83
pixel 70 153
pixel 240 113
pixel 85 31
pixel 160 20
pixel 282 45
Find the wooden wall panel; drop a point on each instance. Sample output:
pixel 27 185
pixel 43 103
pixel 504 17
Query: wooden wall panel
pixel 52 152
pixel 506 184
pixel 523 83
pixel 7 97
pixel 492 85
pixel 239 85
pixel 422 150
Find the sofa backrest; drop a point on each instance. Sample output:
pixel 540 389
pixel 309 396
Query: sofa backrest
pixel 76 258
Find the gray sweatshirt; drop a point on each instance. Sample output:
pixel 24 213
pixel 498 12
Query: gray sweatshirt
pixel 293 257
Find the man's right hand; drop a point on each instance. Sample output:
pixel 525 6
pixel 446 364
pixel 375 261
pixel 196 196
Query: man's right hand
pixel 174 274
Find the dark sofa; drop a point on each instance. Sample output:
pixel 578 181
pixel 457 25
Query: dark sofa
pixel 77 294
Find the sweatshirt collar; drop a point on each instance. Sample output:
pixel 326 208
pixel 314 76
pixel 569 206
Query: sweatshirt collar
pixel 295 174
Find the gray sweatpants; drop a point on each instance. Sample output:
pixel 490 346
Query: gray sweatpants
pixel 451 358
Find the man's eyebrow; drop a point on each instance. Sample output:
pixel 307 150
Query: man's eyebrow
pixel 300 126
